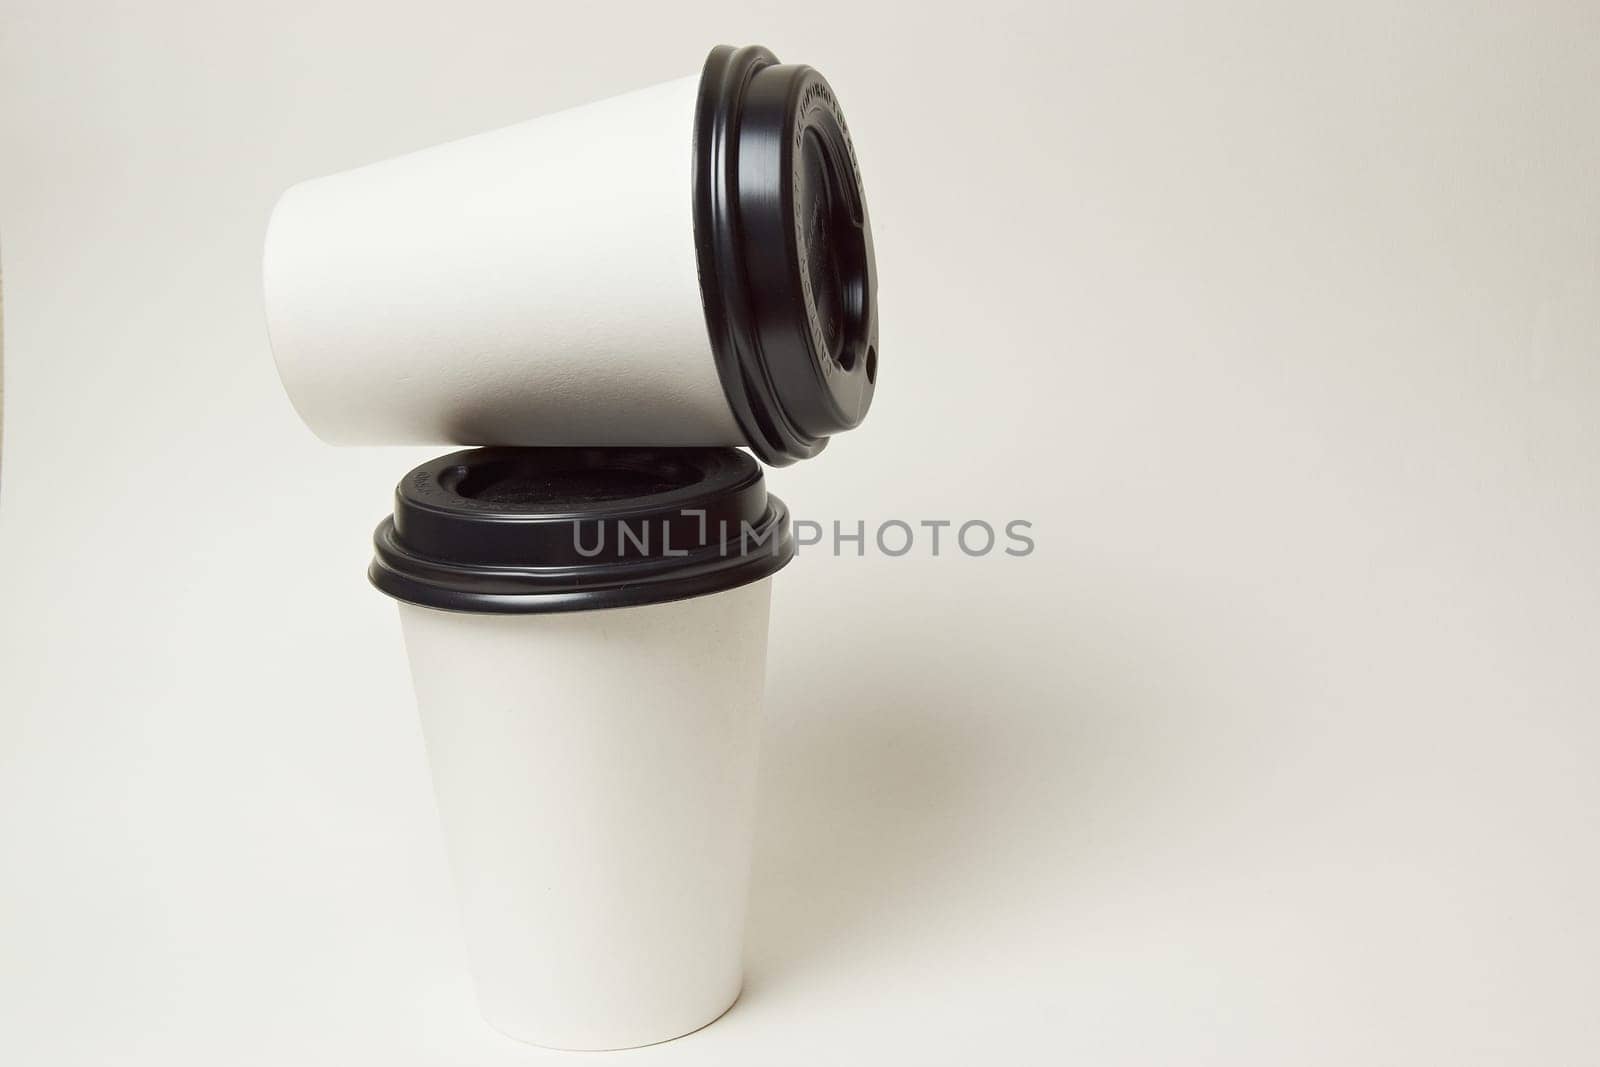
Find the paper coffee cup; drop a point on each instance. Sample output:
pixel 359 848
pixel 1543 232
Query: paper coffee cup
pixel 587 638
pixel 689 264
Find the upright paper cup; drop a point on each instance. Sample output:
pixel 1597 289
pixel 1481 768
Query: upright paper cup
pixel 689 264
pixel 587 637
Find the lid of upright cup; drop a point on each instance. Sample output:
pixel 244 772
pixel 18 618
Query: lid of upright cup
pixel 527 530
pixel 787 272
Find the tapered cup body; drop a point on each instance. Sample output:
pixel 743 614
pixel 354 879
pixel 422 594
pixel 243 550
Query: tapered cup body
pixel 595 774
pixel 536 285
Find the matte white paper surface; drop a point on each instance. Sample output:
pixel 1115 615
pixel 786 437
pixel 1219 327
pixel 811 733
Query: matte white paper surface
pixel 596 779
pixel 536 285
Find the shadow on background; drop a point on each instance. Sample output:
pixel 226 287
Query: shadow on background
pixel 869 805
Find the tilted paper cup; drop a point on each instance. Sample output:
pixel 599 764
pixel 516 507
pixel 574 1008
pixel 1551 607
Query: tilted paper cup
pixel 689 264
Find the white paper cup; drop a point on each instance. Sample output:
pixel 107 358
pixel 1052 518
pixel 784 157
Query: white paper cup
pixel 689 264
pixel 595 774
pixel 592 724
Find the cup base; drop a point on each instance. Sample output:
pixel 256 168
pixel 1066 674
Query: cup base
pixel 607 1045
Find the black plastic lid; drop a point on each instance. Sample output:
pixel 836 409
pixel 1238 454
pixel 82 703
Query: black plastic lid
pixel 785 253
pixel 524 530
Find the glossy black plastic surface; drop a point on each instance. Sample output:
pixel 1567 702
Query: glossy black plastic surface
pixel 511 530
pixel 787 271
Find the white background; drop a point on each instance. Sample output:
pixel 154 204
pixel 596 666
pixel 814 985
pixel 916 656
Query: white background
pixel 1279 322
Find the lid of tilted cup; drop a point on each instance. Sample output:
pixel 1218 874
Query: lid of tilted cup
pixel 785 253
pixel 524 530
